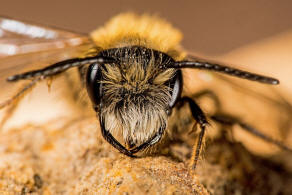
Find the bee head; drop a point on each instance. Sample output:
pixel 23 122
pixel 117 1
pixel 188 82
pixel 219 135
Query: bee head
pixel 134 96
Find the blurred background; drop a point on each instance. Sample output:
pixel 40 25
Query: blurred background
pixel 256 35
pixel 209 28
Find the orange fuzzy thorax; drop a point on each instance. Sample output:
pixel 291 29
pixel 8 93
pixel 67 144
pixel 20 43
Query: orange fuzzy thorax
pixel 148 31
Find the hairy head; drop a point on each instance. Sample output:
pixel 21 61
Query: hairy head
pixel 135 95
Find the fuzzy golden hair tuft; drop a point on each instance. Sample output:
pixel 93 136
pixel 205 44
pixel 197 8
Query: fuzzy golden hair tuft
pixel 149 31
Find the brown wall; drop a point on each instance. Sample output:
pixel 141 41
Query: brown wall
pixel 209 28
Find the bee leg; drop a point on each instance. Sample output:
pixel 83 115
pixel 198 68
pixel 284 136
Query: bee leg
pixel 230 121
pixel 152 141
pixel 211 94
pixel 20 93
pixel 214 97
pixel 15 100
pixel 201 119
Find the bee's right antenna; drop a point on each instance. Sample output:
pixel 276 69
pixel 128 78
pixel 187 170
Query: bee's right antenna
pixel 224 69
pixel 60 67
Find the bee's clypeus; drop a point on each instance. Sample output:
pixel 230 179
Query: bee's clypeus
pixel 134 80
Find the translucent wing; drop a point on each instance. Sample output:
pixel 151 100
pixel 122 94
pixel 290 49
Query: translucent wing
pixel 25 46
pixel 261 106
pixel 20 37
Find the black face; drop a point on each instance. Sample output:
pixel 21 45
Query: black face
pixel 94 74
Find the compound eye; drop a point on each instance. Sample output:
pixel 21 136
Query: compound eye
pixel 176 86
pixel 92 83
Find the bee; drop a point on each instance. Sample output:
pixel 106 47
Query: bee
pixel 133 69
